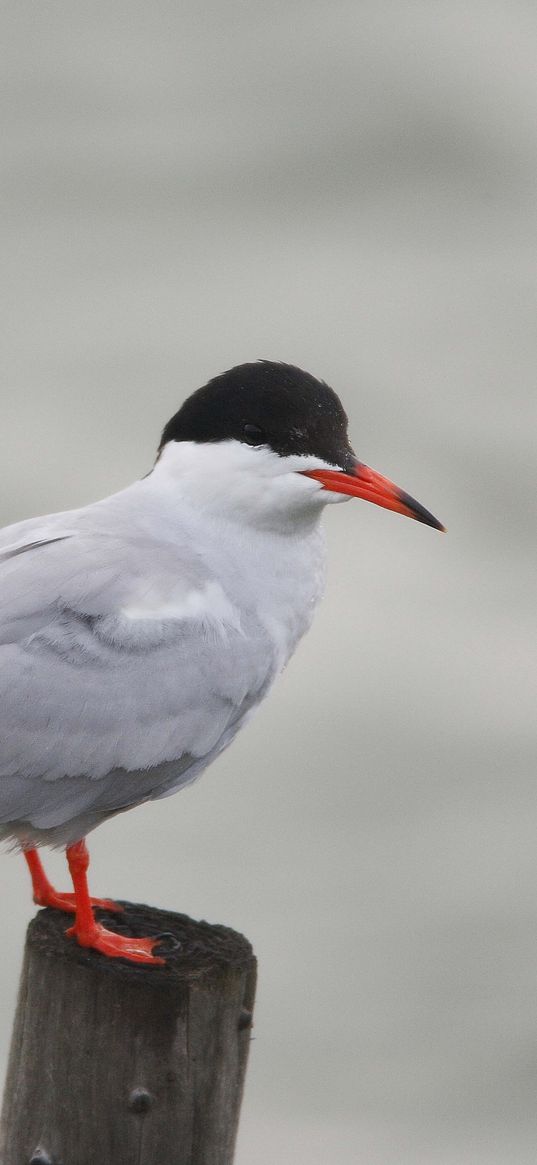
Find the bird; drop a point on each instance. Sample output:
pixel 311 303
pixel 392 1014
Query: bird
pixel 138 634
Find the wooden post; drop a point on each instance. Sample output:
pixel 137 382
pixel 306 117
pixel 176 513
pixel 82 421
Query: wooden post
pixel 114 1063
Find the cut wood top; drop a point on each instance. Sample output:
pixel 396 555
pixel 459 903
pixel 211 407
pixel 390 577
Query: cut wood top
pixel 193 950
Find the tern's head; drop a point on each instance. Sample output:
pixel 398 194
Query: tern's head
pixel 269 439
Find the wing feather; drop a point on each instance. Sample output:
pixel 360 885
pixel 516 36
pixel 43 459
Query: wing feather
pixel 100 709
pixel 21 548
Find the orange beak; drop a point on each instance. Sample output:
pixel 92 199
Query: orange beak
pixel 364 483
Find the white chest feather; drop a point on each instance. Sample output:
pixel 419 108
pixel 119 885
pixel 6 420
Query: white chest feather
pixel 283 581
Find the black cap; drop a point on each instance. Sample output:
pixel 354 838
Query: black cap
pixel 267 403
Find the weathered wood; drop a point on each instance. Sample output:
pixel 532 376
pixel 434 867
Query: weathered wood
pixel 114 1063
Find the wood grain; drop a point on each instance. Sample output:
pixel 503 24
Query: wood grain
pixel 114 1063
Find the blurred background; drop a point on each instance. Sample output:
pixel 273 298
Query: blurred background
pixel 349 187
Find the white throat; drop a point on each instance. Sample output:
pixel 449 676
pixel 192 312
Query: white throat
pixel 249 485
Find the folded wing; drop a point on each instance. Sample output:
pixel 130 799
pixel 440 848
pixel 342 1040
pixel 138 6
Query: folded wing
pixel 106 699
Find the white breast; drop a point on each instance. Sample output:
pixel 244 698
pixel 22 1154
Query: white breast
pixel 254 522
pixel 282 581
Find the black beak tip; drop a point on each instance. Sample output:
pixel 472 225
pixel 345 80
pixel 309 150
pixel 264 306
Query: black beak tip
pixel 419 512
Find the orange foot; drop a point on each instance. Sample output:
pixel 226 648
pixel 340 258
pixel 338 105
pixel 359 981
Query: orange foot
pixel 46 895
pixel 119 946
pixel 50 897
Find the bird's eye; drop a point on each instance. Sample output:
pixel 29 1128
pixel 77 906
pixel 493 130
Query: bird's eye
pixel 253 435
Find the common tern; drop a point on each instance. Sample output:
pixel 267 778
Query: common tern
pixel 138 634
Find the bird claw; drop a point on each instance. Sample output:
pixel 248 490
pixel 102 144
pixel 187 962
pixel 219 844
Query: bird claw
pixel 119 946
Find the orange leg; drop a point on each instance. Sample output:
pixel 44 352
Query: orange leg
pixel 46 895
pixel 90 933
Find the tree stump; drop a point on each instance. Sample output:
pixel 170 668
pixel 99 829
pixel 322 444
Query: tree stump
pixel 116 1063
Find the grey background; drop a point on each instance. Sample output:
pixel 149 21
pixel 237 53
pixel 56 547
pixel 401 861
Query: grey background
pixel 351 187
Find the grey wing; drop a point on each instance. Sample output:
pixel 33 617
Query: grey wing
pixel 21 607
pixel 99 711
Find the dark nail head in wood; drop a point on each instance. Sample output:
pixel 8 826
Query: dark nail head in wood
pixel 140 1100
pixel 40 1157
pixel 245 1019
